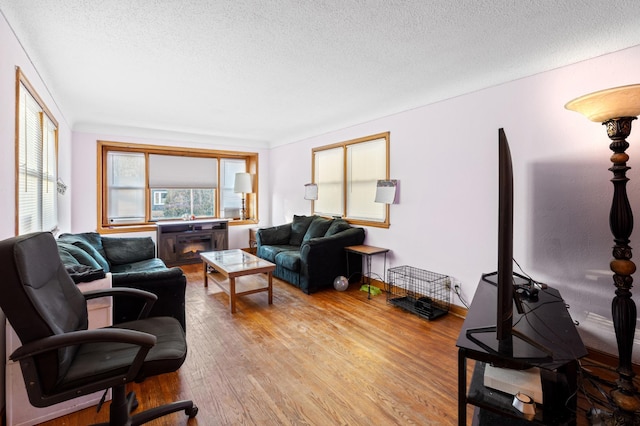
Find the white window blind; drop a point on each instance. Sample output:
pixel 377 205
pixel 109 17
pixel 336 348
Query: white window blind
pixel 172 171
pixel 37 166
pixel 366 163
pixel 347 174
pixel 230 202
pixel 49 176
pixel 329 175
pixel 125 187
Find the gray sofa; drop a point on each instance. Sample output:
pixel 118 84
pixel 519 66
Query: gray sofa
pixel 133 263
pixel 309 252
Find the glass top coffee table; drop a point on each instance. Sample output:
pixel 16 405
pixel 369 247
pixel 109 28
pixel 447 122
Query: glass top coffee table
pixel 224 266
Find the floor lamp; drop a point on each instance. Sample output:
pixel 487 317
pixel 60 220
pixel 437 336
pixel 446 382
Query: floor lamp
pixel 616 108
pixel 242 185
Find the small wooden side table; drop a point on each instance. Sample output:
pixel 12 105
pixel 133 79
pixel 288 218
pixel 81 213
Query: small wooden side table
pixel 253 242
pixel 367 252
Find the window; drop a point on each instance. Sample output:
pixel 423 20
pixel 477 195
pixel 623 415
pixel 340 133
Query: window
pixel 36 158
pixel 126 187
pixel 346 174
pixel 231 202
pixel 143 184
pixel 159 197
pixel 187 183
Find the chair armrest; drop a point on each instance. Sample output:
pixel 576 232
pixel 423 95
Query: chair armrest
pixel 324 258
pixel 148 297
pixel 117 335
pixel 331 245
pixel 141 278
pixel 275 235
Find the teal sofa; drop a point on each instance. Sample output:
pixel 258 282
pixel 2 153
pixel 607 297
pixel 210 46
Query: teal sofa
pixel 309 252
pixel 132 263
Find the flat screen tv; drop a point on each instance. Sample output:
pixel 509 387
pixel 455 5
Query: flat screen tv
pixel 504 321
pixel 499 338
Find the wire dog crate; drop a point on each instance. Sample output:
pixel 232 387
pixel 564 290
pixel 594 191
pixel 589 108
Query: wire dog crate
pixel 424 293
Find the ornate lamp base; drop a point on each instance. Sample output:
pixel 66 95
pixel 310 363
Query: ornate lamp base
pixel 623 308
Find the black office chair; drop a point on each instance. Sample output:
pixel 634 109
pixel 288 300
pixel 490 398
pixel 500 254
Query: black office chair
pixel 59 357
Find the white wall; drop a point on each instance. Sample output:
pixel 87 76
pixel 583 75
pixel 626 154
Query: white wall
pixel 445 157
pixel 84 180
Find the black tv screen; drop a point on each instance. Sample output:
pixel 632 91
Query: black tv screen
pixel 505 239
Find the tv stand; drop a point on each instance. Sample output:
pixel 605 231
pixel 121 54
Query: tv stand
pixel 516 346
pixel 550 328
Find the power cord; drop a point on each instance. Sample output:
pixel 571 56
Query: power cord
pixel 456 290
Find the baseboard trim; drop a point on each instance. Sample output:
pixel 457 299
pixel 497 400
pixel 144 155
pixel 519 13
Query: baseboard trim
pixel 603 358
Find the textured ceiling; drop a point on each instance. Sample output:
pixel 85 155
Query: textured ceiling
pixel 268 72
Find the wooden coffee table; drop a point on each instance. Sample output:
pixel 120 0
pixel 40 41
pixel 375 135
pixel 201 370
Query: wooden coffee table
pixel 231 264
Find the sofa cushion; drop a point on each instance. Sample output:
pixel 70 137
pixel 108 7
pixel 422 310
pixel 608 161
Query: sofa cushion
pixel 66 257
pixel 128 250
pixel 274 236
pixel 299 227
pixel 269 252
pixel 338 225
pixel 289 259
pixel 67 250
pixel 317 228
pixel 91 243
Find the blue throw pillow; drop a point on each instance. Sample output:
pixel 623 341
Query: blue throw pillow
pixel 67 249
pixel 91 243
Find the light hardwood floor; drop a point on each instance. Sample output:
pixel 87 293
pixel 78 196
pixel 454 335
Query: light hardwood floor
pixel 332 358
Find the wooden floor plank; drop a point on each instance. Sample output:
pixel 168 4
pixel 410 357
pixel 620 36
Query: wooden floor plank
pixel 322 359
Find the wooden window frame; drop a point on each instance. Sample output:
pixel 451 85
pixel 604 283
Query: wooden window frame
pixel 21 80
pixel 103 147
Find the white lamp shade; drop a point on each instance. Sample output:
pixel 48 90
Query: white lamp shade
pixel 606 104
pixel 242 183
pixel 311 191
pixel 386 191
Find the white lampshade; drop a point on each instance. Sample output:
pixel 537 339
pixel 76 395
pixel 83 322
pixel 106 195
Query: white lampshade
pixel 617 102
pixel 242 183
pixel 386 191
pixel 310 191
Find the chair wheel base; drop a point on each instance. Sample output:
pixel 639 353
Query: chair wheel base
pixel 191 412
pixel 132 401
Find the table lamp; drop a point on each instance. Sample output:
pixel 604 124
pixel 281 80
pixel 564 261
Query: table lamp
pixel 242 185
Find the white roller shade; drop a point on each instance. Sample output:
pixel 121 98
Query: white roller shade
pixel 170 171
pixel 329 176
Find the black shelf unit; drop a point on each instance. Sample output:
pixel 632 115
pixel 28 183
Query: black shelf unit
pixel 552 328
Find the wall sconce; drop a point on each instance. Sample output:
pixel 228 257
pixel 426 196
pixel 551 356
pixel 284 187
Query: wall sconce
pixel 616 108
pixel 242 185
pixel 310 191
pixel 386 191
pixel 62 187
